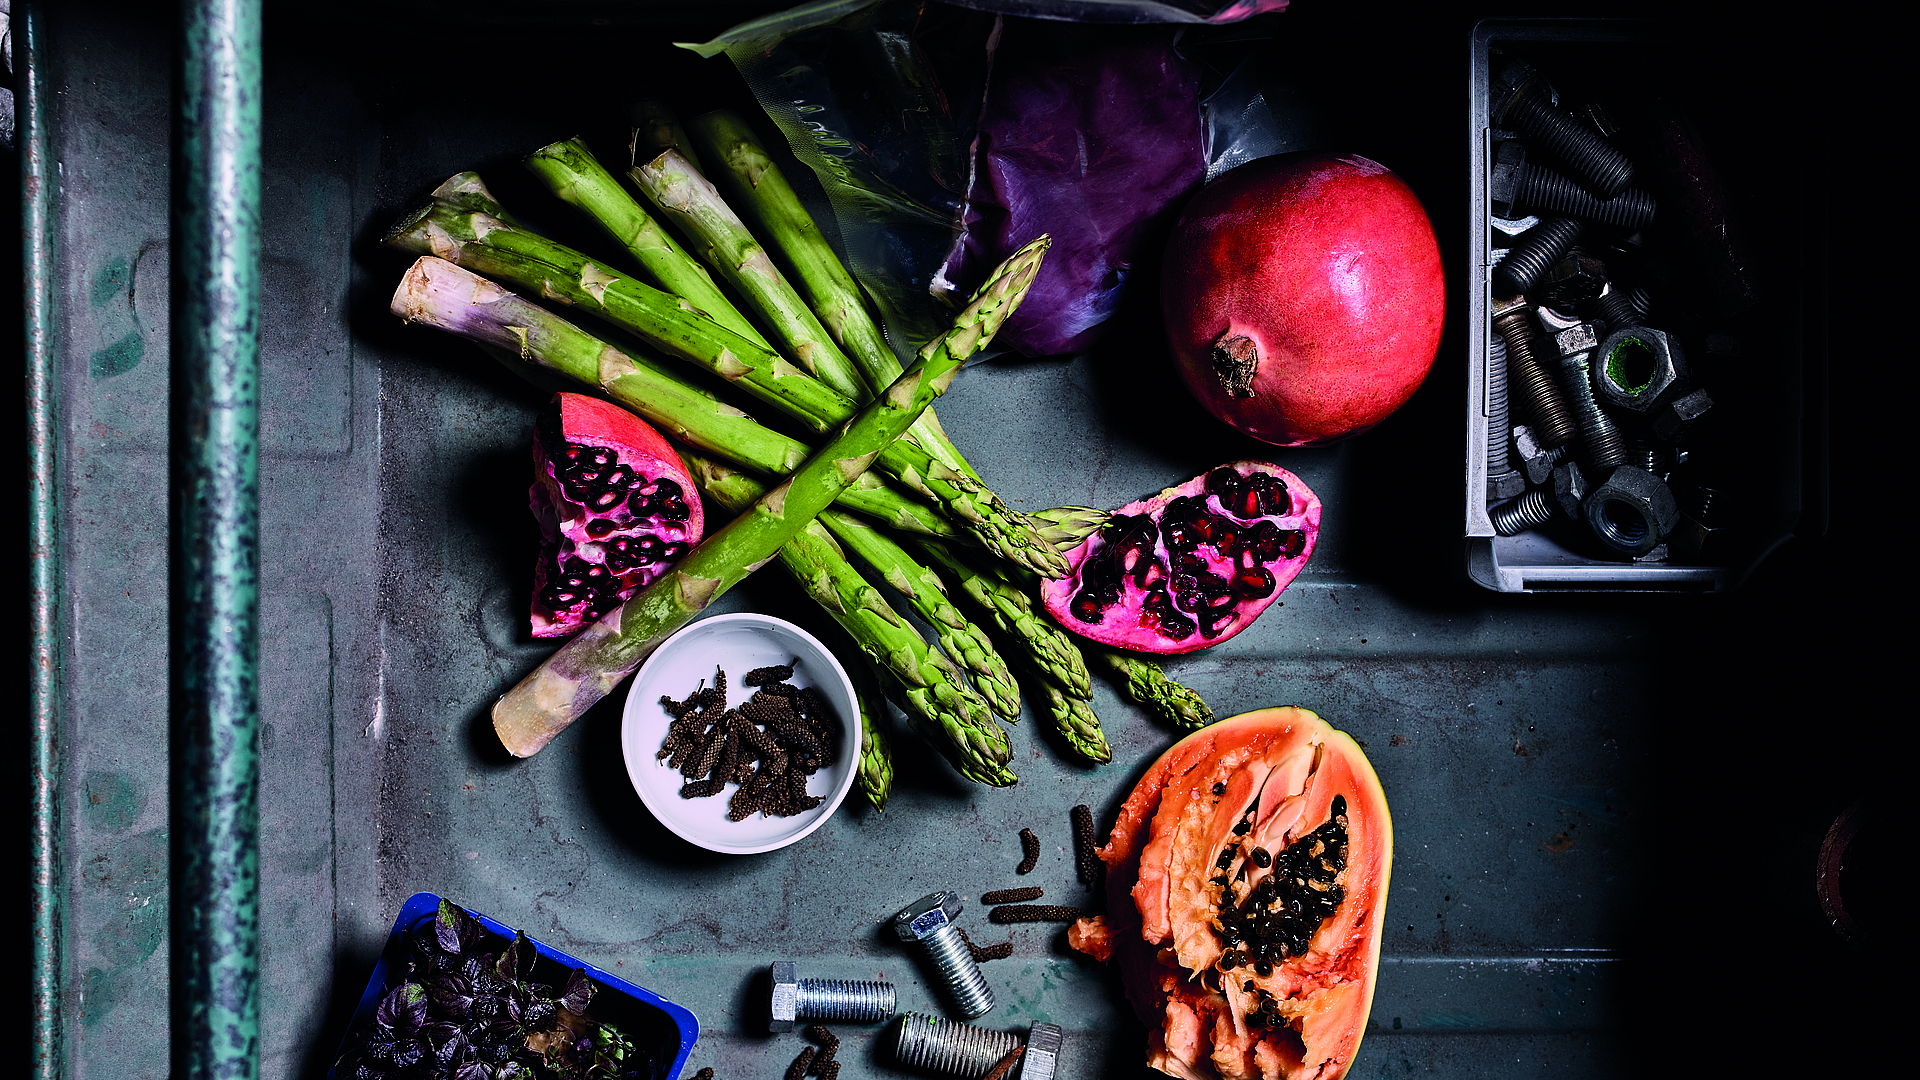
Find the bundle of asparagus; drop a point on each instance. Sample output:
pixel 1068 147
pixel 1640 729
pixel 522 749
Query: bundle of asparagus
pixel 815 353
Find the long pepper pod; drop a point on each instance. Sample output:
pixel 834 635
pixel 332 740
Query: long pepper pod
pixel 588 667
pixel 439 294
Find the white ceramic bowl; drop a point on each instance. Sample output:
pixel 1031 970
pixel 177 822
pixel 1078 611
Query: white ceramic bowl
pixel 736 643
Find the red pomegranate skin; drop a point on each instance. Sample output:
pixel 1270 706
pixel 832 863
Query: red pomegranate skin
pixel 1327 265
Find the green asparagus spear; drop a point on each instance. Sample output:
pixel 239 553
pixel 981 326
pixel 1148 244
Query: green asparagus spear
pixel 589 666
pixel 486 245
pixel 1073 718
pixel 875 778
pixel 923 590
pixel 754 185
pixel 1146 683
pixel 450 298
pixel 687 199
pixel 934 695
pixel 655 128
pixel 468 192
pixel 570 171
pixel 1066 526
pixel 1024 631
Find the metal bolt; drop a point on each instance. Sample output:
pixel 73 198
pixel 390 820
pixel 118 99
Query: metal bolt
pixel 1518 184
pixel 1503 480
pixel 1523 102
pixel 1537 460
pixel 1601 445
pixel 1529 511
pixel 1528 379
pixel 929 921
pixel 797 999
pixel 1534 253
pixel 964 1050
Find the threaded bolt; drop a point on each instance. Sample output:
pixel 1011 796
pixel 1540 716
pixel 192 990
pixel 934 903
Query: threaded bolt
pixel 943 1046
pixel 1529 511
pixel 1534 254
pixel 929 921
pixel 1617 309
pixel 1539 394
pixel 1602 448
pixel 796 999
pixel 1543 190
pixel 1503 480
pixel 1522 102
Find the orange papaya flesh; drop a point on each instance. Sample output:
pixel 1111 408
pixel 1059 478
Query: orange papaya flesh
pixel 1247 883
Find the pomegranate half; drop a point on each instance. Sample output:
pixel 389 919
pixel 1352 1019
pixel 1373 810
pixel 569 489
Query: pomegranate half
pixel 1191 566
pixel 615 508
pixel 1304 296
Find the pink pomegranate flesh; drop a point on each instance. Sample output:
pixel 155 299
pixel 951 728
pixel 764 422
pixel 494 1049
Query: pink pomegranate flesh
pixel 1191 566
pixel 1304 296
pixel 615 508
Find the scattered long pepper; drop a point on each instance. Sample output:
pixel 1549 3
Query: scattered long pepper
pixel 437 293
pixel 589 666
pixel 487 245
pixel 935 696
pixel 926 594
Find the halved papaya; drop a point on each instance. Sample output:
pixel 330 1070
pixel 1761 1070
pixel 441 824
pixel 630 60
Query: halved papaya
pixel 1247 883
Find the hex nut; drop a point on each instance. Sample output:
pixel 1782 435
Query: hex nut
pixel 1502 486
pixel 927 915
pixel 1536 460
pixel 1042 1056
pixel 1672 419
pixel 1632 512
pixel 1569 489
pixel 786 997
pixel 1635 366
pixel 1573 282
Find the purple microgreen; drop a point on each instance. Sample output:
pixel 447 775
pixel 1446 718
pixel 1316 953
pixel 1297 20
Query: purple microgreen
pixel 578 993
pixel 403 1010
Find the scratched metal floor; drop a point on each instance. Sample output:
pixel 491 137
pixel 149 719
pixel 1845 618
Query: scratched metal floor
pixel 1552 762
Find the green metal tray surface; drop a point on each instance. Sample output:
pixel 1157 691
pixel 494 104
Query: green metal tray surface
pixel 1598 816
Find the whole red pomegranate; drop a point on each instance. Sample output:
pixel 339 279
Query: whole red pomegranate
pixel 1304 296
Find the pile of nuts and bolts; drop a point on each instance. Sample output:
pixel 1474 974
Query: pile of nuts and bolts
pixel 1594 409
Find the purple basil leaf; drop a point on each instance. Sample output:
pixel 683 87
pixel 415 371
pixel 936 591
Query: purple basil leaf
pixel 473 1070
pixel 403 1010
pixel 451 996
pixel 516 963
pixel 1089 134
pixel 446 927
pixel 578 993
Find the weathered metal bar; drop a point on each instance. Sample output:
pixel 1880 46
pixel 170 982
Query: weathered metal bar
pixel 37 190
pixel 215 345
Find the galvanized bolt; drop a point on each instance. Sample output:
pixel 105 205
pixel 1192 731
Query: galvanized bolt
pixel 1503 480
pixel 796 999
pixel 1522 101
pixel 1529 511
pixel 964 1050
pixel 929 921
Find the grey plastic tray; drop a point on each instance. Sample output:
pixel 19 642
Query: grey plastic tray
pixel 1552 762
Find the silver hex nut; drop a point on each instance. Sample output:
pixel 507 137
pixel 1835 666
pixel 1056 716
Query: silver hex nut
pixel 1633 511
pixel 927 915
pixel 1041 1059
pixel 1635 366
pixel 786 997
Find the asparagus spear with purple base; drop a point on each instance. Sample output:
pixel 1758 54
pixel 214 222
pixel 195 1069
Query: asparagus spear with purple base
pixel 590 665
